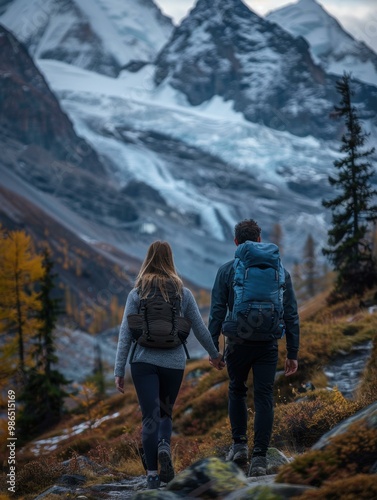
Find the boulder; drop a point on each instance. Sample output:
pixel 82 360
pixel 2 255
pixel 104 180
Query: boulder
pixel 273 491
pixel 275 459
pixel 208 478
pixel 160 494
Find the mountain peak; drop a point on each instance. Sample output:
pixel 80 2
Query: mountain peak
pixel 223 48
pixel 100 35
pixel 222 8
pixel 221 4
pixel 330 44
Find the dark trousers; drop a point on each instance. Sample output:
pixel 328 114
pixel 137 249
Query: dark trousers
pixel 157 389
pixel 262 360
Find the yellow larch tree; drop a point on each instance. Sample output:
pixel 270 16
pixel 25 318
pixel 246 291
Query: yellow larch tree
pixel 20 270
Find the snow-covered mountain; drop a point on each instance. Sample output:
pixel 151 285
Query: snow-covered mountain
pixel 330 44
pixel 210 166
pixel 101 35
pixel 200 140
pixel 223 48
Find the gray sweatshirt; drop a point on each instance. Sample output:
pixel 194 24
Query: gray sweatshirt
pixel 168 358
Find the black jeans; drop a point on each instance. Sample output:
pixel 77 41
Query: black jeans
pixel 157 389
pixel 262 360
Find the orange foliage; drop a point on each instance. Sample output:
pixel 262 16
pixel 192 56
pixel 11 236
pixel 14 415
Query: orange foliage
pixel 353 452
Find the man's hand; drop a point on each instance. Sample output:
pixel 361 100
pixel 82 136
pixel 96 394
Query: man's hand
pixel 119 384
pixel 291 366
pixel 218 362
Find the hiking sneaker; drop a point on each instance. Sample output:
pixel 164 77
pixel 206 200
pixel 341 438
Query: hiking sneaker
pixel 238 453
pixel 164 458
pixel 153 482
pixel 258 466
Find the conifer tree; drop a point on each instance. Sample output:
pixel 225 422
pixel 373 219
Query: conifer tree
pixel 277 236
pixel 297 277
pixel 310 265
pixel 98 373
pixel 42 395
pixel 353 208
pixel 48 315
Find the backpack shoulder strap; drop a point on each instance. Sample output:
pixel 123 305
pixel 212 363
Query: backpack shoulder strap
pixel 235 263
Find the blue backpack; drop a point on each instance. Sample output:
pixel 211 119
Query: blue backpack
pixel 259 284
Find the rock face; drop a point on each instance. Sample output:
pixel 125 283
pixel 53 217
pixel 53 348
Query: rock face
pixel 31 113
pixel 39 142
pixel 335 49
pixel 223 48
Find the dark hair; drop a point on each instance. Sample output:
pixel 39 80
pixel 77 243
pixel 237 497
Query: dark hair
pixel 247 230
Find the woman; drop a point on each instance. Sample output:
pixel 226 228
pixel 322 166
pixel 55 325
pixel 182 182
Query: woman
pixel 157 373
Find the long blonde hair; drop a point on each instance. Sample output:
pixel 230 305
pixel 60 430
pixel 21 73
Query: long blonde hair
pixel 157 271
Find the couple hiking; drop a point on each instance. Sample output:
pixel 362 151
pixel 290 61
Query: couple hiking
pixel 253 304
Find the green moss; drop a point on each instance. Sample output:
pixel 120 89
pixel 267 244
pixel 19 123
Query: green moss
pixel 209 478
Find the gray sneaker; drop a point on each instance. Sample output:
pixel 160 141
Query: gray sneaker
pixel 258 467
pixel 238 453
pixel 164 458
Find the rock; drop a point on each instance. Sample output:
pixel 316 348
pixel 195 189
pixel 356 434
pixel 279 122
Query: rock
pixel 275 459
pixel 160 494
pixel 208 478
pixel 71 479
pixel 273 491
pixel 369 414
pixel 136 483
pixel 54 490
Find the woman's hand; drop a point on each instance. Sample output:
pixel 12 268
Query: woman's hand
pixel 218 362
pixel 119 384
pixel 291 366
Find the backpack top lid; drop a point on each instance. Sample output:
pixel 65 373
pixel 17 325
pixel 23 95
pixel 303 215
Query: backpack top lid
pixel 171 291
pixel 257 254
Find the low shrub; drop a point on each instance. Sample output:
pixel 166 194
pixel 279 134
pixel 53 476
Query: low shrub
pixel 114 432
pixel 79 446
pixel 360 487
pixel 351 453
pixel 301 423
pixel 37 475
pixel 366 391
pixel 203 412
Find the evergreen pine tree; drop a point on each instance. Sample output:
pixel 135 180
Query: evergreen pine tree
pixel 98 377
pixel 353 208
pixel 310 266
pixel 276 236
pixel 48 315
pixel 42 395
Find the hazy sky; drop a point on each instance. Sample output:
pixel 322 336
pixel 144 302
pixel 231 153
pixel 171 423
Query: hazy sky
pixel 359 17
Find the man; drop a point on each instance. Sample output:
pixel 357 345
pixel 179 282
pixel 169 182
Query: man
pixel 259 356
